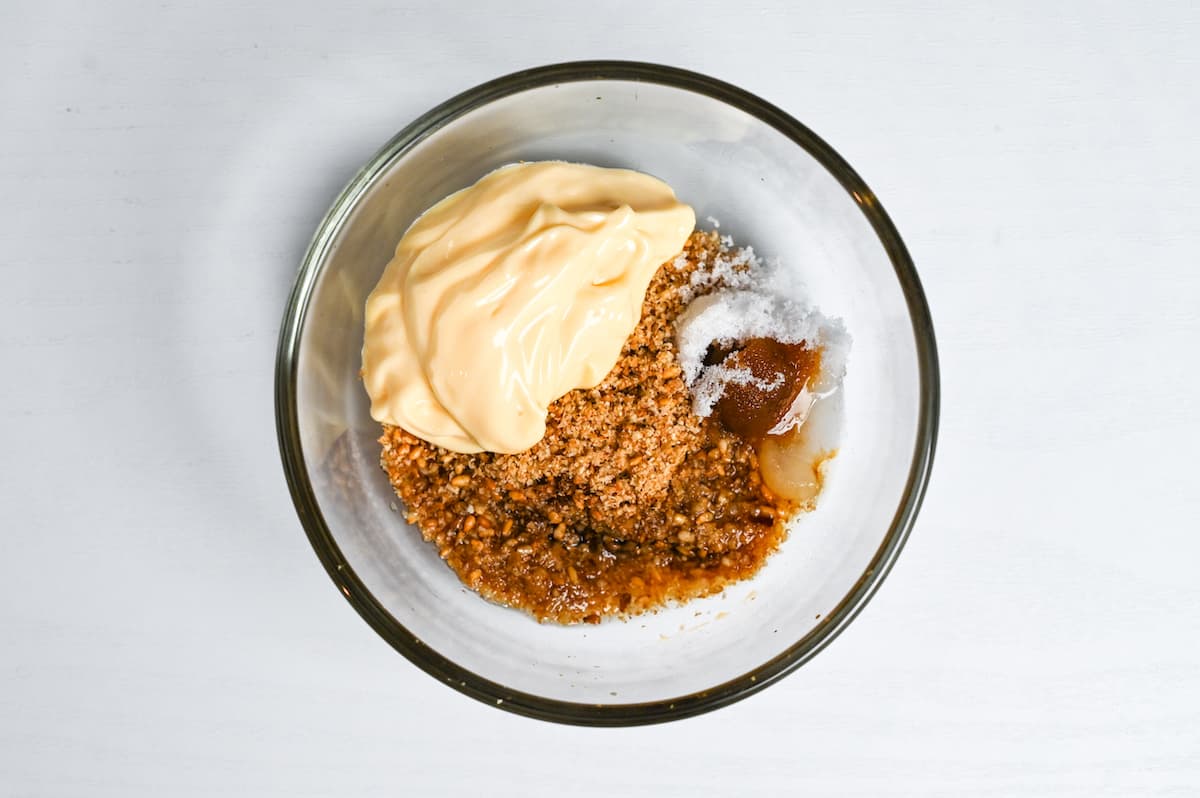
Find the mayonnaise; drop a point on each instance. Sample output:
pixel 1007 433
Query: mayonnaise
pixel 508 294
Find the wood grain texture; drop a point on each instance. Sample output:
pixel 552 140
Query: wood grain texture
pixel 164 627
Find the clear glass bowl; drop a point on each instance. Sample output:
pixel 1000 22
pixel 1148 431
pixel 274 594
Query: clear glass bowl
pixel 772 184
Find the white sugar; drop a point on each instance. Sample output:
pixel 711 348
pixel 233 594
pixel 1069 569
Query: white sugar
pixel 750 301
pixel 708 388
pixel 732 268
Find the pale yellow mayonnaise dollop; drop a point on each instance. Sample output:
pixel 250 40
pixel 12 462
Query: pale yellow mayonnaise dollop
pixel 508 294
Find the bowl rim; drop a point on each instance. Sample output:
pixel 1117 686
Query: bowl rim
pixel 442 668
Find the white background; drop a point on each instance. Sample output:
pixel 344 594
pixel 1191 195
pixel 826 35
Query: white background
pixel 165 628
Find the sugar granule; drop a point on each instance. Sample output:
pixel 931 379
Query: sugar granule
pixel 739 297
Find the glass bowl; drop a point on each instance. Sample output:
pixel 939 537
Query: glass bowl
pixel 772 184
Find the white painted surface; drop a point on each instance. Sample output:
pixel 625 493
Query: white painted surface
pixel 165 628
